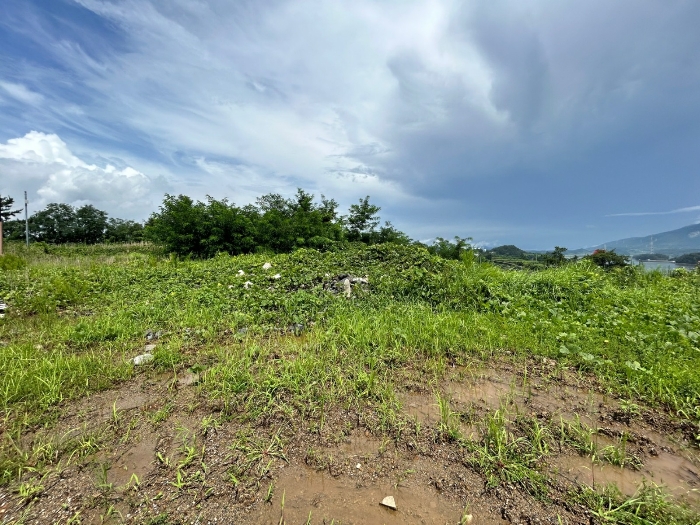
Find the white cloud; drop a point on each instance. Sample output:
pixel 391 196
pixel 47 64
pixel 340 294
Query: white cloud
pixel 43 164
pixel 22 93
pixel 644 213
pixel 404 100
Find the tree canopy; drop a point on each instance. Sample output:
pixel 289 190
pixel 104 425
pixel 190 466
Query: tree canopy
pixel 608 259
pixel 60 223
pixel 6 211
pixel 273 224
pixel 688 258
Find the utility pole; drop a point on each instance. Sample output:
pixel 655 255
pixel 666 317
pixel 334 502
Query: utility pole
pixel 26 217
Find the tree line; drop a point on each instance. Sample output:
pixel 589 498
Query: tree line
pixel 201 229
pixel 60 223
pixel 272 224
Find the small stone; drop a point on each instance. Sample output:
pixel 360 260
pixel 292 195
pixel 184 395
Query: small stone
pixel 389 502
pixel 468 518
pixel 267 266
pixel 141 359
pixel 149 348
pixel 358 466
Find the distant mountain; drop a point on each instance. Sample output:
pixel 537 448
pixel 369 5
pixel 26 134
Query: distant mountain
pixel 676 242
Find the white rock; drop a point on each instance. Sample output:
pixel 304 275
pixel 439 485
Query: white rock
pixel 247 284
pixel 389 502
pixel 148 349
pixel 267 266
pixel 358 466
pixel 141 359
pixel 467 519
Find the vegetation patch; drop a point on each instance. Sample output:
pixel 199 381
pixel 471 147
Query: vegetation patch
pixel 262 363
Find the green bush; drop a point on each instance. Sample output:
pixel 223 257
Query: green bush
pixel 11 262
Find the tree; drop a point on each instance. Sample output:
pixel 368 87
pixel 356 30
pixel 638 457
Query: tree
pixel 608 259
pixel 55 224
pixel 6 211
pixel 179 225
pixel 555 258
pixel 688 258
pixel 451 249
pixel 13 230
pixel 389 234
pixel 362 221
pixel 508 250
pixel 119 230
pixel 90 225
pixel 651 257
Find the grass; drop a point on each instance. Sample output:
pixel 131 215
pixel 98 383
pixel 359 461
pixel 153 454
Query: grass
pixel 78 314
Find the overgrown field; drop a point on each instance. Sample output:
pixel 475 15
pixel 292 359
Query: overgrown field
pixel 279 353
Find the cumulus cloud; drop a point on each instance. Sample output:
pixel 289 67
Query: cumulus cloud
pixel 43 164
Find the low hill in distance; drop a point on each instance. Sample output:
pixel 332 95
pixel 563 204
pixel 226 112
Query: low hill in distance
pixel 671 243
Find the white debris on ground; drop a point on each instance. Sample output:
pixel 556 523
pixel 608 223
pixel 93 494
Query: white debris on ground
pixel 389 502
pixel 142 359
pixel 247 284
pixel 267 266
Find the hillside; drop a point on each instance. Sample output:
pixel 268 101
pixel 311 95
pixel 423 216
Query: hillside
pixel 674 242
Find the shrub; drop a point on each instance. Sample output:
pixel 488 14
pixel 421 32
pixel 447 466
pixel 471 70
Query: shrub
pixel 11 262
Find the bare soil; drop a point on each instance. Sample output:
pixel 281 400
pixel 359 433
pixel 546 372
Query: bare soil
pixel 150 452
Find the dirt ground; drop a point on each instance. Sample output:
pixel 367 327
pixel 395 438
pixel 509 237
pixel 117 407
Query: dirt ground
pixel 155 450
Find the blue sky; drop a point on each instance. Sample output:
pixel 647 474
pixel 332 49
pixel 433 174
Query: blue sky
pixel 535 123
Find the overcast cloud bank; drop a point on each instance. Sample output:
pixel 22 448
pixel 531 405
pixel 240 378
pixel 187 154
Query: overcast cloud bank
pixel 532 123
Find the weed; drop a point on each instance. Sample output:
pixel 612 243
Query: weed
pixel 29 490
pixel 180 478
pixel 162 413
pixel 504 458
pixel 449 421
pixel 102 483
pixel 648 506
pixel 619 456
